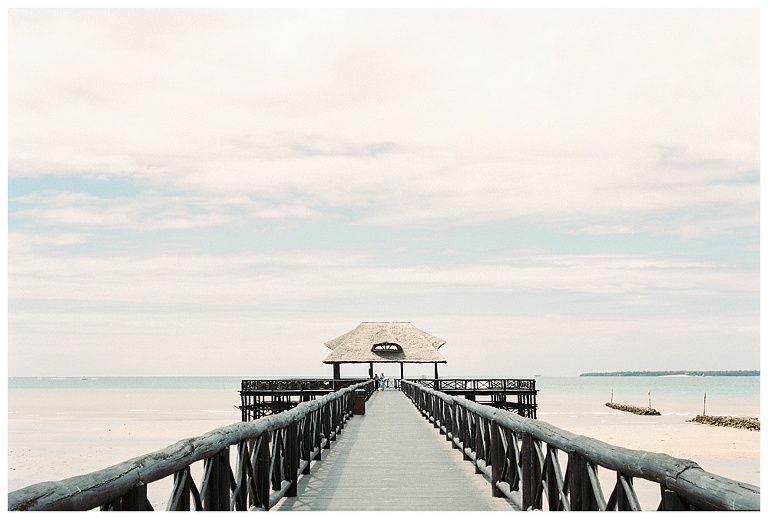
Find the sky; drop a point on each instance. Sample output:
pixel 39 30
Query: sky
pixel 220 192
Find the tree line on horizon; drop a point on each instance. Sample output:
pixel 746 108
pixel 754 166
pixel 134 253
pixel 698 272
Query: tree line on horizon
pixel 724 373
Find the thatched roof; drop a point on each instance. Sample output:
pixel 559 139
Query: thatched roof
pixel 393 342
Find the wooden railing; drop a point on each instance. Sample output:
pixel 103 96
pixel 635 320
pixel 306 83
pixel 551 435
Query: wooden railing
pixel 271 454
pixel 510 394
pixel 521 456
pixel 478 384
pixel 297 384
pixel 264 397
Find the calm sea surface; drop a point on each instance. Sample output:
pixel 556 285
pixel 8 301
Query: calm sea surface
pixel 738 396
pixel 681 395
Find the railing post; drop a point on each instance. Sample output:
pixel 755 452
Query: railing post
pixel 316 427
pixel 261 472
pixel 134 500
pixel 497 456
pixel 622 502
pixel 217 491
pixel 531 473
pixel 478 446
pixel 553 492
pixel 292 458
pixel 671 501
pixel 582 496
pixel 327 410
pixel 306 442
pixel 465 435
pixel 182 486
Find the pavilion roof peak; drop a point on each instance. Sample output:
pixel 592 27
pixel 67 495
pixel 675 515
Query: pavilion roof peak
pixel 357 345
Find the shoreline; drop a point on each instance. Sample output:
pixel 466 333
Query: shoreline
pixel 674 373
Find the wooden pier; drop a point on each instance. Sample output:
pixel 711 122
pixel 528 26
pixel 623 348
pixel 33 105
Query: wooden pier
pixel 414 449
pixel 393 459
pixel 264 397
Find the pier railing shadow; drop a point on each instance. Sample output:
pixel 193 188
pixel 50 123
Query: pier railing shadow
pixel 522 457
pixel 272 452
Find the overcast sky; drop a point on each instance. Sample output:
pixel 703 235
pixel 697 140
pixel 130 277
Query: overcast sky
pixel 220 192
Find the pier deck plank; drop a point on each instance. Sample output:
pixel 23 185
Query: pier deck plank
pixel 392 459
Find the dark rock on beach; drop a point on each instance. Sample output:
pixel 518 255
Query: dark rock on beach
pixel 634 409
pixel 738 422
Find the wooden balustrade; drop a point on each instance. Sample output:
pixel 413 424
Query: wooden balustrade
pixel 263 397
pixel 510 394
pixel 271 454
pixel 522 457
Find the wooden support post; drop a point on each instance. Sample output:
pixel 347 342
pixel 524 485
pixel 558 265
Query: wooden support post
pixel 217 492
pixel 671 501
pixel 134 500
pixel 261 474
pixel 553 492
pixel 573 481
pixel 526 472
pixel 336 371
pixel 243 469
pixel 478 446
pixel 436 376
pixel 181 480
pixel 326 417
pixel 292 458
pixel 531 473
pixel 622 502
pixel 306 443
pixel 401 371
pixel 582 496
pixel 496 457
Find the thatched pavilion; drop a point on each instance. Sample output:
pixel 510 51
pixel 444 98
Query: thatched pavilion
pixel 384 342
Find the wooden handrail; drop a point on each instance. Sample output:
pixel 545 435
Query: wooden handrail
pixel 508 448
pixel 297 384
pixel 272 452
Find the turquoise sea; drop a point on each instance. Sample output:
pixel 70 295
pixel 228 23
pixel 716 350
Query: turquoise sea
pixel 671 394
pixel 741 392
pixel 738 396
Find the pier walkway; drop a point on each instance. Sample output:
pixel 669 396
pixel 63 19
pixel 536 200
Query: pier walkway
pixel 391 458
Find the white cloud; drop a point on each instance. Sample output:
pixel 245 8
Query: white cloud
pixel 599 122
pixel 149 211
pixel 418 116
pixel 243 279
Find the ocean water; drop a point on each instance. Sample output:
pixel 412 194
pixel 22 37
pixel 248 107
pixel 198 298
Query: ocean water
pixel 682 395
pixel 61 427
pixel 741 393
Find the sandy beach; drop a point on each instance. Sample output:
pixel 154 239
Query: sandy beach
pixel 725 451
pixel 728 452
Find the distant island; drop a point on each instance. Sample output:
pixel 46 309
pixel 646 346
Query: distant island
pixel 739 373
